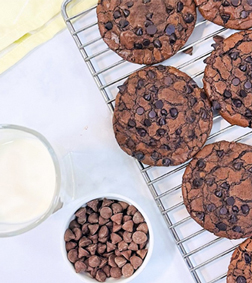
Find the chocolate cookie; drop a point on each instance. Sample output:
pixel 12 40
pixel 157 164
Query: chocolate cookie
pixel 239 270
pixel 217 189
pixel 228 78
pixel 161 116
pixel 234 14
pixel 146 31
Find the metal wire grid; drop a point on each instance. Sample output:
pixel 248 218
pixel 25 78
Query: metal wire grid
pixel 206 255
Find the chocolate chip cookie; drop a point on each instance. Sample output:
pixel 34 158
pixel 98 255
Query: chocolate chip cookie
pixel 234 14
pixel 161 116
pixel 217 189
pixel 228 78
pixel 239 270
pixel 146 31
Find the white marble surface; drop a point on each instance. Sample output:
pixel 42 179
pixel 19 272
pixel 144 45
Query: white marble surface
pixel 51 91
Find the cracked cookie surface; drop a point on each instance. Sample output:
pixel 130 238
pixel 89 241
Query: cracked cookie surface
pixel 234 14
pixel 161 116
pixel 239 270
pixel 146 31
pixel 217 189
pixel 228 78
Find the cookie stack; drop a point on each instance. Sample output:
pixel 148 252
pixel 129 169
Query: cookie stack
pixel 162 118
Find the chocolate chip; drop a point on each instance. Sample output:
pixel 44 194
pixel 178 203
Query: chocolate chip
pixel 164 112
pixel 237 229
pixel 157 43
pixel 235 3
pixel 216 105
pixel 211 207
pixel 161 132
pixel 147 97
pixel 152 114
pixel 248 59
pixel 233 219
pixel 123 23
pixel 244 14
pixel 218 194
pixel 159 104
pixel 192 101
pixel 131 123
pixel 106 212
pixel 139 237
pixel 235 209
pixel 223 211
pixel 247 258
pixel 225 185
pixel 245 209
pixel 198 182
pixel 236 81
pixel 243 68
pixel 109 25
pixel 139 155
pixel 138 45
pixel 189 18
pixel 139 32
pixel 248 113
pixel 201 164
pixel 173 38
pixel 225 18
pixel 200 215
pixel 161 122
pixel 221 226
pixel 242 93
pixel 227 94
pixel 146 43
pixel 234 55
pixel 126 12
pixel 237 103
pixel 149 16
pixel 247 84
pixel 127 270
pixel 140 84
pixel 220 153
pixel 151 74
pixel 170 29
pixel 122 88
pixel 117 14
pixel 147 122
pixel 241 279
pixel 130 4
pixel 230 201
pixel 166 162
pixel 140 110
pixel 173 112
pixel 180 6
pixel 237 165
pixel 151 29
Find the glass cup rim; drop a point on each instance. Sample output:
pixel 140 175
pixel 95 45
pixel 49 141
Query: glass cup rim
pixel 56 164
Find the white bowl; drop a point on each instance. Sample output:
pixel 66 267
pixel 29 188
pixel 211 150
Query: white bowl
pixel 85 277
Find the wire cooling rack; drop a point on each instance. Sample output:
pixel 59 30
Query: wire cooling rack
pixel 206 255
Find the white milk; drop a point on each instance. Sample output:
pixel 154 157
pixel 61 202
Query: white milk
pixel 27 180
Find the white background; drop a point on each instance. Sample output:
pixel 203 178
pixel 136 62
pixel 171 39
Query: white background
pixel 51 91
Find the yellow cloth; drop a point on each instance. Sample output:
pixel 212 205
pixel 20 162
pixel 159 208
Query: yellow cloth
pixel 24 24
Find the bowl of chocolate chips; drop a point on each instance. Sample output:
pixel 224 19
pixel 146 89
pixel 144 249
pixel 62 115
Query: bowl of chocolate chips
pixel 107 239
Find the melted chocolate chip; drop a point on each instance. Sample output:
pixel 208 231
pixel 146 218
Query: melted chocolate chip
pixel 201 164
pixel 170 29
pixel 108 25
pixel 151 29
pixel 189 18
pixel 247 258
pixel 221 226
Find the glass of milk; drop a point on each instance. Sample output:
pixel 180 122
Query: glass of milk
pixel 30 179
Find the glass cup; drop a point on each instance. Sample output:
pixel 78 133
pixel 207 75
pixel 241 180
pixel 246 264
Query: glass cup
pixel 10 136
